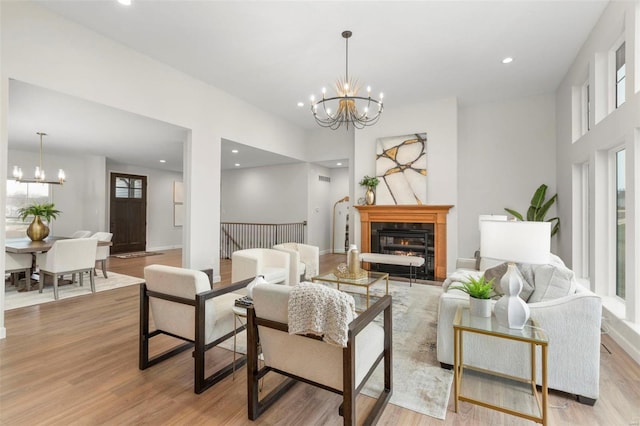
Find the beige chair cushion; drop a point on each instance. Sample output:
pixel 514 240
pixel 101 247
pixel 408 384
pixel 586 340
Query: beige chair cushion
pixel 179 319
pixel 305 357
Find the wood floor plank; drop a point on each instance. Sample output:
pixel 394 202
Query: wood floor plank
pixel 74 361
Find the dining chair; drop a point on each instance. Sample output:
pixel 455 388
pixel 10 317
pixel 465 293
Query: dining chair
pixel 102 252
pixel 81 234
pixel 69 256
pixel 18 262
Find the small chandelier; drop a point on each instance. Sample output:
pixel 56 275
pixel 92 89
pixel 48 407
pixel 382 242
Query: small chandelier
pixel 347 107
pixel 39 175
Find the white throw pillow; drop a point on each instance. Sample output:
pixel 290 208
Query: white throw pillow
pixel 552 282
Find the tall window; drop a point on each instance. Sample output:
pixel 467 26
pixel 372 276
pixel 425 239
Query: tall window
pixel 620 223
pixel 585 108
pixel 620 75
pixel 20 194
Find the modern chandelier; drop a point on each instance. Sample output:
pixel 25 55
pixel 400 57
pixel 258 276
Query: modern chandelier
pixel 347 107
pixel 39 175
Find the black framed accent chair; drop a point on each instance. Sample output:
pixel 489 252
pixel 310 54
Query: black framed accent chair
pixel 185 307
pixel 341 364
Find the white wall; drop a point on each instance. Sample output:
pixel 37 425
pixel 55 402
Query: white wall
pixel 319 208
pixel 439 119
pixel 506 150
pixel 81 199
pixel 275 194
pixel 161 234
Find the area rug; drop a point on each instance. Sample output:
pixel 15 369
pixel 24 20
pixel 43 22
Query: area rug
pixel 419 384
pixel 14 299
pixel 135 254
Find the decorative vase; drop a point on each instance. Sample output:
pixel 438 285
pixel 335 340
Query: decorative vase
pixel 370 196
pixel 480 307
pixel 353 259
pixel 37 231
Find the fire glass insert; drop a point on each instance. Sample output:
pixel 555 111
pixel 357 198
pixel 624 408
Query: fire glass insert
pixel 404 239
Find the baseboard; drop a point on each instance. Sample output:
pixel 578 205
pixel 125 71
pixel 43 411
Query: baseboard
pixel 160 248
pixel 624 333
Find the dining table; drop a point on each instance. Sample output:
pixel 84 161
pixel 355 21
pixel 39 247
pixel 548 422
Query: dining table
pixel 25 245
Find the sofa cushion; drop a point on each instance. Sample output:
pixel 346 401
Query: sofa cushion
pixel 497 272
pixel 552 282
pixel 486 263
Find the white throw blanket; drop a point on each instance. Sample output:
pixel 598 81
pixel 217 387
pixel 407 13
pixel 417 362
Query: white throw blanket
pixel 320 310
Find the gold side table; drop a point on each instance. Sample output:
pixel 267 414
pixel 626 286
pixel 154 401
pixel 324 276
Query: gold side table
pixel 530 334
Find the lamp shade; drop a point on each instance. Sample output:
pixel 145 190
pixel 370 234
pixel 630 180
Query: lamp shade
pixel 524 242
pixel 484 217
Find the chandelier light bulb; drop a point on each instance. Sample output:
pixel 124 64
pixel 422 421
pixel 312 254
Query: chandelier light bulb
pixel 346 86
pixel 324 91
pixel 17 173
pixel 312 98
pixel 369 89
pixel 381 95
pixel 61 176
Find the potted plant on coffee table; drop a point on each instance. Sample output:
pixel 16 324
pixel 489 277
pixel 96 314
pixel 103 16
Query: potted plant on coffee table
pixel 479 291
pixel 38 230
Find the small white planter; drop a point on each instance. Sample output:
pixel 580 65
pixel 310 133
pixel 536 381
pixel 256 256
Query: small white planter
pixel 480 307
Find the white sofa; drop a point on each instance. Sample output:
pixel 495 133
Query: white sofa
pixel 571 323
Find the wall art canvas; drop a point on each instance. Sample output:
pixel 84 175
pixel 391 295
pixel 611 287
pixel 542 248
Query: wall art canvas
pixel 401 166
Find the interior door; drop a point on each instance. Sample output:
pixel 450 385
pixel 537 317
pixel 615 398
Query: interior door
pixel 128 217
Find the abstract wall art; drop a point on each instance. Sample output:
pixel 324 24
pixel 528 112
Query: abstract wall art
pixel 401 166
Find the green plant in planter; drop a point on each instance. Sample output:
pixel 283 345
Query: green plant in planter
pixel 478 288
pixel 538 209
pixel 46 211
pixel 369 181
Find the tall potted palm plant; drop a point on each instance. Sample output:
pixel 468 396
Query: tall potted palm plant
pixel 38 230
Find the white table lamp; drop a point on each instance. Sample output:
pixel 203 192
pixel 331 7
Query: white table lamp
pixel 522 242
pixel 483 217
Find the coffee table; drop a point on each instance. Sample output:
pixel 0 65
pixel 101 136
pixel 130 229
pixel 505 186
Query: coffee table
pixel 367 281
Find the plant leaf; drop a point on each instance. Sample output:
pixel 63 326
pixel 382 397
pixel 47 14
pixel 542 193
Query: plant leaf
pixel 555 227
pixel 538 196
pixel 514 213
pixel 542 212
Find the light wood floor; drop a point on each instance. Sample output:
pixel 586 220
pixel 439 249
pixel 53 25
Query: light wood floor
pixel 75 361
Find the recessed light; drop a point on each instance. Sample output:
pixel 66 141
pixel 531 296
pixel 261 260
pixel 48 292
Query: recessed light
pixel 237 164
pixel 300 104
pixel 163 161
pixel 125 2
pixel 507 60
pixel 234 151
pixel 338 164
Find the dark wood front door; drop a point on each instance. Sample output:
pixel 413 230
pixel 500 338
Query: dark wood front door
pixel 128 213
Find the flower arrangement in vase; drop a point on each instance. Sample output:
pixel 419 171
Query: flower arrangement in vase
pixel 37 230
pixel 370 182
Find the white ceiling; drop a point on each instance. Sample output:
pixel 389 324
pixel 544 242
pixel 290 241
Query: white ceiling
pixel 276 54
